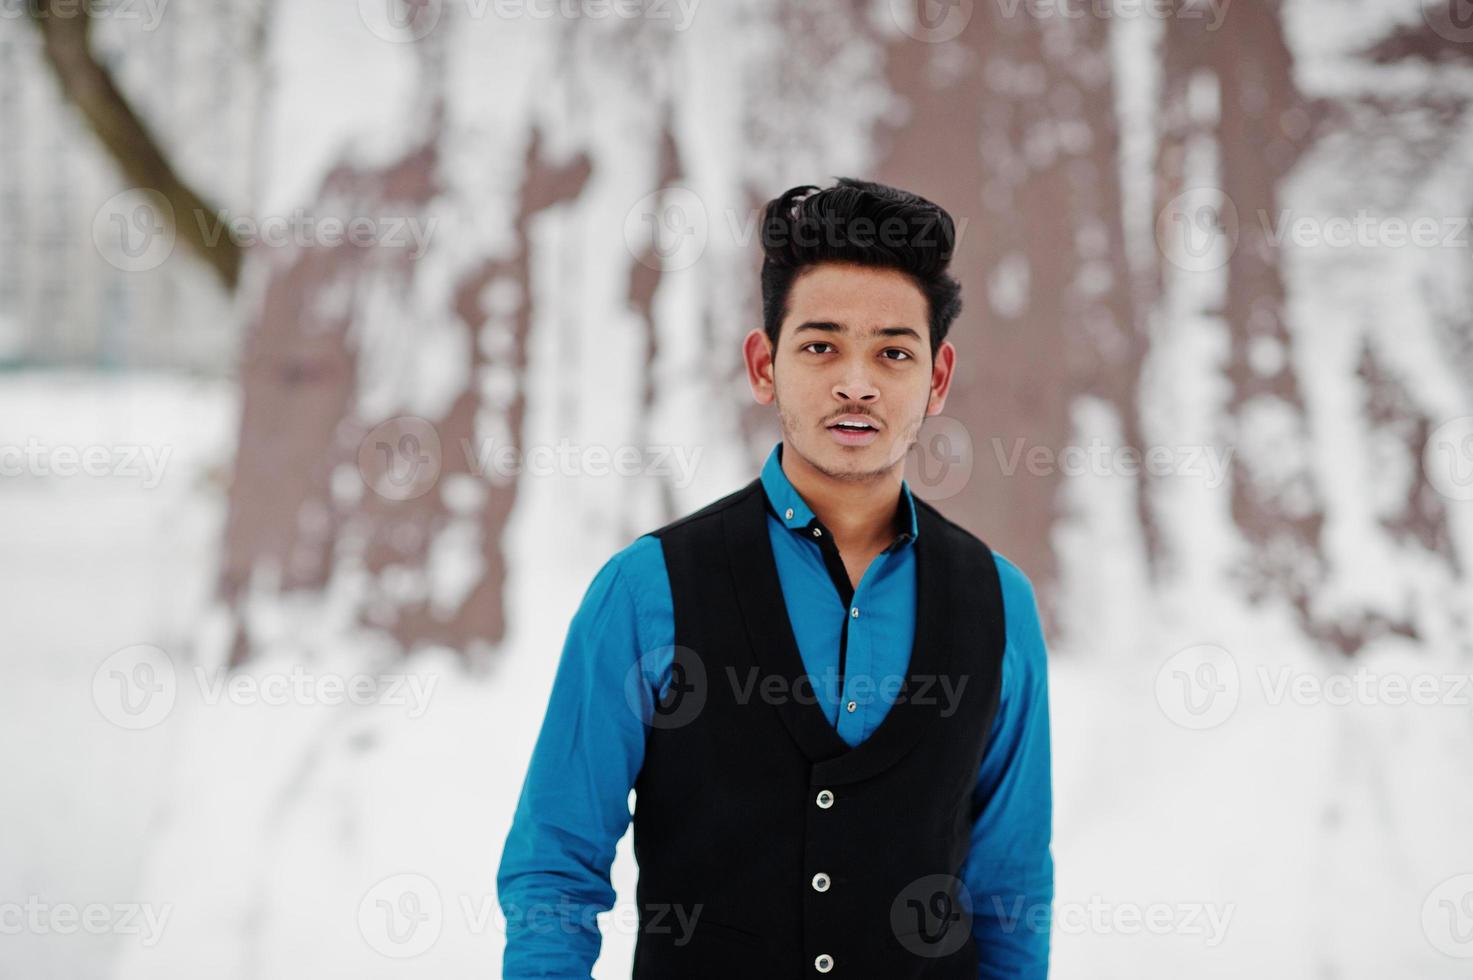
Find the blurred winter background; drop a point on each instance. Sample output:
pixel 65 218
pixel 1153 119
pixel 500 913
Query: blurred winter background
pixel 342 342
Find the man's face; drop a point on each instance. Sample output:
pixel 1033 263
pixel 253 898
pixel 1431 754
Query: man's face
pixel 854 345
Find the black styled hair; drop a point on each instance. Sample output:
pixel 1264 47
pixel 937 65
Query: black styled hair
pixel 862 222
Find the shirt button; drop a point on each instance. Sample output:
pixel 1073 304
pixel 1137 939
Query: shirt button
pixel 818 532
pixel 823 962
pixel 820 882
pixel 825 799
pixel 851 706
pixel 790 513
pixel 854 613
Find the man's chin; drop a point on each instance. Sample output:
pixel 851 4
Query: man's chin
pixel 850 462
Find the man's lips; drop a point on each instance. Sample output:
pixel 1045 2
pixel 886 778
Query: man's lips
pixel 862 432
pixel 853 423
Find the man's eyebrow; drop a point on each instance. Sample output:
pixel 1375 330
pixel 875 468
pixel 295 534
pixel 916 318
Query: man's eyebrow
pixel 828 326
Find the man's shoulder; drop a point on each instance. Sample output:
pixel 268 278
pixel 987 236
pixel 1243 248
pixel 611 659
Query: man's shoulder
pixel 708 511
pixel 1014 580
pixel 639 562
pixel 1015 583
pixel 1020 608
pixel 955 534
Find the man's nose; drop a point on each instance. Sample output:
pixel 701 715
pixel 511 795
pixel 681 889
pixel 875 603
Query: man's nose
pixel 856 391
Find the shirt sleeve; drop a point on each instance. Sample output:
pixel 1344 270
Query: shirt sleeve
pixel 1010 869
pixel 553 879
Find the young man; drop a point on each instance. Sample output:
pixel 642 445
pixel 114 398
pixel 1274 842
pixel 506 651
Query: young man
pixel 830 701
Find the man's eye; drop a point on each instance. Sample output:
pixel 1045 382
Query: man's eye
pixel 817 343
pixel 904 354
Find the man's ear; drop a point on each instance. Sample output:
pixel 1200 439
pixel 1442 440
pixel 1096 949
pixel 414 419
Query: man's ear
pixel 943 369
pixel 757 352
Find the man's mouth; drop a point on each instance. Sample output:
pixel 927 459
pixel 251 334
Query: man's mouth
pixel 853 430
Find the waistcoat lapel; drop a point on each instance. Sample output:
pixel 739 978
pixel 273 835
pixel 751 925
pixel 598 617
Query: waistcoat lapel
pixel 941 626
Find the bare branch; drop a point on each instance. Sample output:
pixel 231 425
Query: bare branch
pixel 65 33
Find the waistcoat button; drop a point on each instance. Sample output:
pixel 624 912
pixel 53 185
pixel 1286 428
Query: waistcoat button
pixel 825 799
pixel 823 963
pixel 820 882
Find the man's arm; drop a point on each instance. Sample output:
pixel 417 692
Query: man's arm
pixel 574 805
pixel 1010 869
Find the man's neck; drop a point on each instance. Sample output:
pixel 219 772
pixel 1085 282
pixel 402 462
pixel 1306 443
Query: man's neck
pixel 862 515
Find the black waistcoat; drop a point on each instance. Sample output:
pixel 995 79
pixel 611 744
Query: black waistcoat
pixel 768 847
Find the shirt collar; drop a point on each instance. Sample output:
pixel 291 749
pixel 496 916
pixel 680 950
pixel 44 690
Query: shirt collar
pixel 791 509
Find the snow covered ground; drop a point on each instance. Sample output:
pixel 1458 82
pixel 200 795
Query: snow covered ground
pixel 1250 828
pixel 93 562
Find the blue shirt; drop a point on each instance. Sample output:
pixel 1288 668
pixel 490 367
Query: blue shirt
pixel 574 804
